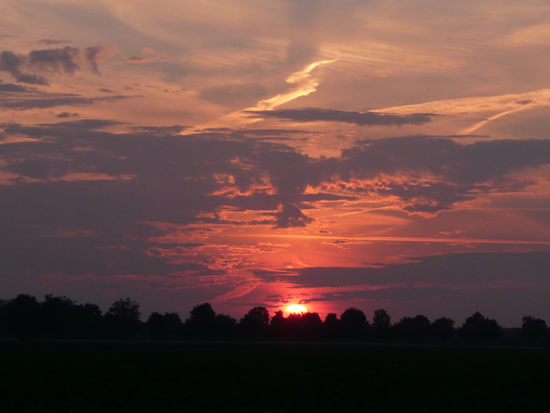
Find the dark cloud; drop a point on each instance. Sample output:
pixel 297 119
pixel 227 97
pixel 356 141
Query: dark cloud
pixel 272 132
pixel 52 100
pixel 289 216
pixel 13 64
pixel 52 42
pixel 450 271
pixel 66 115
pixel 155 175
pixel 11 88
pixel 63 60
pixel 356 118
pixel 84 124
pixel 81 255
pixel 161 130
pixel 401 293
pixel 140 59
pixel 360 142
pixel 91 54
pixel 444 158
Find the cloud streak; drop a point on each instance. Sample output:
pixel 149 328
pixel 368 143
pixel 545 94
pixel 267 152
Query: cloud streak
pixel 474 106
pixel 304 84
pixel 356 118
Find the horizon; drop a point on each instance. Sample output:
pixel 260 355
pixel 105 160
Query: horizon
pixel 316 153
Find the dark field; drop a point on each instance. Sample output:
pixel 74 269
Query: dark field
pixel 270 378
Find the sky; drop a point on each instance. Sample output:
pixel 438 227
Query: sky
pixel 374 154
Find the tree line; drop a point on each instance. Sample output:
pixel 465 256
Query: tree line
pixel 59 316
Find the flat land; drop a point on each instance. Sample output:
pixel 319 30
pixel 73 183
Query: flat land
pixel 270 378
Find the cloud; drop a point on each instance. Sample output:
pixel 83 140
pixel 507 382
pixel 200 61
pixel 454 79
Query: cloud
pixel 91 54
pixel 234 94
pixel 11 88
pixel 290 216
pixel 475 106
pixel 140 59
pixel 356 118
pixel 121 193
pixel 63 60
pixel 456 270
pixel 42 101
pixel 51 42
pixel 161 130
pixel 12 63
pixel 445 158
pixel 304 85
pixel 66 115
pixel 84 124
pixel 422 175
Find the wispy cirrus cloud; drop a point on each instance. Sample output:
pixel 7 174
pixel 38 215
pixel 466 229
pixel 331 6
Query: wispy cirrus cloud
pixel 476 106
pixel 304 84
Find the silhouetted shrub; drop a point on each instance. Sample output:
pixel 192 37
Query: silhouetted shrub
pixel 479 327
pixel 533 328
pixel 443 328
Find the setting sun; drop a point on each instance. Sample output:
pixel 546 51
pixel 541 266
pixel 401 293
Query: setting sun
pixel 295 309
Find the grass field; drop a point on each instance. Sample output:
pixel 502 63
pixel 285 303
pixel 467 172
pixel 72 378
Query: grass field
pixel 270 378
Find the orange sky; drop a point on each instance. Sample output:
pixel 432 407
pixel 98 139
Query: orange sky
pixel 325 153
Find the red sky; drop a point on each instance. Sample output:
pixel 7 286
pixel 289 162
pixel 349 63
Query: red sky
pixel 326 153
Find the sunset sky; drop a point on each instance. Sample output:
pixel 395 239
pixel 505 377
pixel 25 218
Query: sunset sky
pixel 377 154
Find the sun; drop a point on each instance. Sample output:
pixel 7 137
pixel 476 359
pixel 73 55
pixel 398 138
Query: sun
pixel 295 309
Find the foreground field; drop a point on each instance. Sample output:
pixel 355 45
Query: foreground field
pixel 270 378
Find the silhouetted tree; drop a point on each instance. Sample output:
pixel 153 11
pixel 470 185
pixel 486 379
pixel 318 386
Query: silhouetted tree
pixel 354 323
pixel 21 316
pixel 60 315
pixel 225 326
pixel 479 327
pixel 311 325
pixel 123 317
pixel 533 328
pixel 201 322
pixel 203 313
pixel 332 326
pixel 279 325
pixel 381 323
pixel 304 326
pixel 255 322
pixel 168 325
pixel 413 328
pixel 443 328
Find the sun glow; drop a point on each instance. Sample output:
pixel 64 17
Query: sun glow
pixel 295 309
